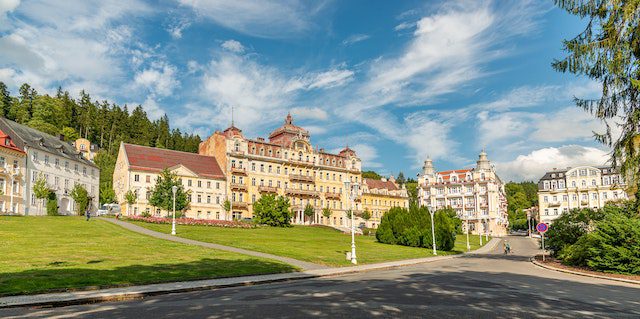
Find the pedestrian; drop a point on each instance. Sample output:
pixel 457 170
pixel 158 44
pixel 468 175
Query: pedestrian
pixel 504 246
pixel 508 246
pixel 88 214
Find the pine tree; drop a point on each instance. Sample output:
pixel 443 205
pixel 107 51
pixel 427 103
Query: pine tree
pixel 5 99
pixel 608 51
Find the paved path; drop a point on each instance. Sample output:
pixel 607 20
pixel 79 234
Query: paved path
pixel 298 263
pixel 482 285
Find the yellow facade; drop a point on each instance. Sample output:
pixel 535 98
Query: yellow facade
pixel 12 174
pixel 286 165
pixel 378 196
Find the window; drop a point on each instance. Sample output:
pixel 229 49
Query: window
pixel 75 168
pixel 593 182
pixel 199 183
pixel 208 199
pixel 136 178
pixel 34 156
pixel 46 159
pixel 546 199
pixel 199 198
pixel 208 184
pixel 217 185
pixel 189 183
pixel 84 171
pixel 253 167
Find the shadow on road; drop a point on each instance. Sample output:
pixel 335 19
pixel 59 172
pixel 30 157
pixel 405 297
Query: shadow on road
pixel 445 294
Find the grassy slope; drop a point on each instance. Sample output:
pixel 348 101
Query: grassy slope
pixel 51 253
pixel 320 245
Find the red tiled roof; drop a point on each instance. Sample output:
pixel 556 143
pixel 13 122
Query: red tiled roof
pixel 461 173
pixel 156 159
pixel 6 142
pixel 379 184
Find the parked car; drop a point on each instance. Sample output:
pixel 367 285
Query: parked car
pixel 108 209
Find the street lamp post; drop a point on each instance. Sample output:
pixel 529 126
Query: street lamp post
pixel 433 233
pixel 174 189
pixel 486 230
pixel 468 245
pixel 529 224
pixel 480 225
pixel 350 198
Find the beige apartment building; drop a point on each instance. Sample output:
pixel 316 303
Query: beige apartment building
pixel 378 196
pixel 137 169
pixel 578 187
pixel 284 164
pixel 476 194
pixel 12 174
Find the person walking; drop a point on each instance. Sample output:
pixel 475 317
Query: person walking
pixel 508 248
pixel 88 214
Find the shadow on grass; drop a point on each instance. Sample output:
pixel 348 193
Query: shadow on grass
pixel 66 279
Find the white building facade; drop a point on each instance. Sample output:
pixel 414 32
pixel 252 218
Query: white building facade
pixel 580 187
pixel 477 195
pixel 58 162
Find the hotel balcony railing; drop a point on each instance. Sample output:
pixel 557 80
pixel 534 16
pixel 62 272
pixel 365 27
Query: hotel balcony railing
pixel 332 195
pixel 554 204
pixel 238 170
pixel 301 162
pixel 484 204
pixel 268 189
pixel 470 205
pixel 302 178
pixel 301 192
pixel 239 205
pixel 584 202
pixel 238 186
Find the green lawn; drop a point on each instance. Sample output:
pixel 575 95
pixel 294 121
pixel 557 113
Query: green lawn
pixel 41 254
pixel 320 245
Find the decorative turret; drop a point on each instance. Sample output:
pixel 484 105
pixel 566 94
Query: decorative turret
pixel 428 169
pixel 483 163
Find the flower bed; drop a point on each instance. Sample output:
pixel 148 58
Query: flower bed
pixel 191 221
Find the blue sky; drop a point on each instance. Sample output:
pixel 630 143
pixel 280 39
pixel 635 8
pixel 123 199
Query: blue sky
pixel 397 81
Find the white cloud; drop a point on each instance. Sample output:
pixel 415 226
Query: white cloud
pixel 8 6
pixel 262 18
pixel 176 27
pixel 329 79
pixel 313 113
pixel 355 38
pixel 567 124
pixel 367 154
pixel 404 26
pixel 532 166
pixel 69 43
pixel 160 78
pixel 233 46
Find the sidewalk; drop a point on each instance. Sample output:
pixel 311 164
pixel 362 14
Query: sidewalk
pixel 136 292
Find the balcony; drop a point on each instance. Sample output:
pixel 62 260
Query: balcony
pixel 238 170
pixel 301 162
pixel 268 189
pixel 332 195
pixel 301 192
pixel 302 178
pixel 584 202
pixel 239 205
pixel 484 204
pixel 554 204
pixel 238 187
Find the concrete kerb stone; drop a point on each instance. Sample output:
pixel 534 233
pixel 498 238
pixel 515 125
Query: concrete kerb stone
pixel 541 265
pixel 137 292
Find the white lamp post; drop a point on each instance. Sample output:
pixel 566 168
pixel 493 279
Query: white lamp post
pixel 433 232
pixel 348 189
pixel 486 230
pixel 468 245
pixel 174 189
pixel 480 225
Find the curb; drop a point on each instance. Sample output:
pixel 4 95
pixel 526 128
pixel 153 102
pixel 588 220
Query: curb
pixel 541 265
pixel 139 292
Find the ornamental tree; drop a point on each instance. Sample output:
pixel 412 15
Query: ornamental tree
pixel 326 212
pixel 41 191
pixel 162 194
pixel 81 198
pixel 309 211
pixel 131 198
pixel 273 211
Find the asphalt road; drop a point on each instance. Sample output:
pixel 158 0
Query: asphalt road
pixel 481 286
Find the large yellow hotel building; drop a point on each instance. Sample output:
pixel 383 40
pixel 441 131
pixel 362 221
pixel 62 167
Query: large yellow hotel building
pixel 287 164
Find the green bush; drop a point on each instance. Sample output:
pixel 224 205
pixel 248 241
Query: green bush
pixel 569 227
pixel 146 214
pixel 273 211
pixel 412 227
pixel 52 205
pixel 614 246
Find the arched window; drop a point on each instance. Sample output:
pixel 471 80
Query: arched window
pixel 270 152
pixel 261 151
pixel 300 156
pixel 482 176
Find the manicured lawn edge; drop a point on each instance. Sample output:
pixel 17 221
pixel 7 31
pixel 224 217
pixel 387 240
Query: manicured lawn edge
pixel 537 260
